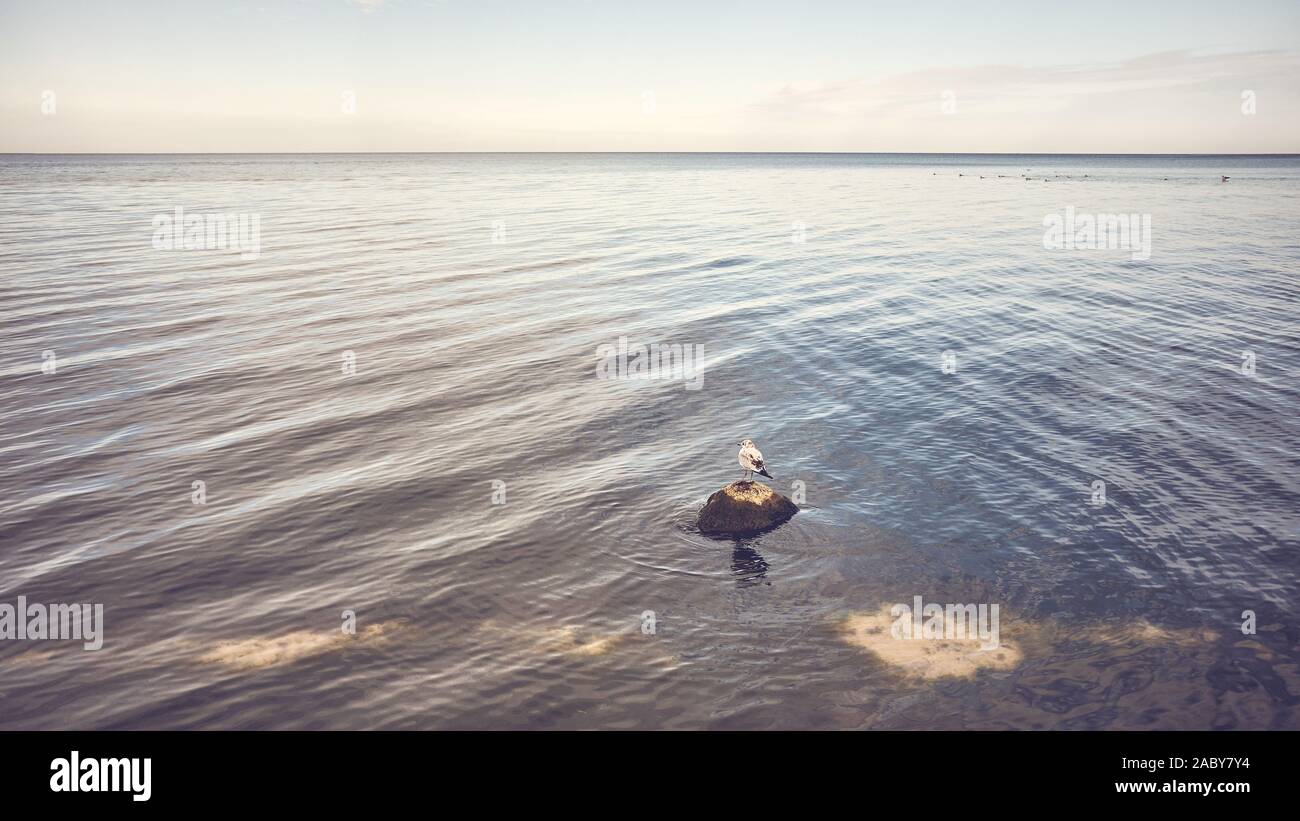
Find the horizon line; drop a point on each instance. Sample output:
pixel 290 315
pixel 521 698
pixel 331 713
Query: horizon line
pixel 789 153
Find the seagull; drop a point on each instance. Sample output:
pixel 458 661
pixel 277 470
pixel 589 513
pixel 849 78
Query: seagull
pixel 1224 179
pixel 751 459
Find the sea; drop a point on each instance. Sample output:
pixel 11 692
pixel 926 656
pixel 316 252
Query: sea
pixel 367 441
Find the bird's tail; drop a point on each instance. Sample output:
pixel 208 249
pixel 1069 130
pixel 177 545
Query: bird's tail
pixel 764 472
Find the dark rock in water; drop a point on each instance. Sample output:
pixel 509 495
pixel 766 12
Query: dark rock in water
pixel 743 508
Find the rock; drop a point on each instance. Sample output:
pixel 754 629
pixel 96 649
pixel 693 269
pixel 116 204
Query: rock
pixel 743 508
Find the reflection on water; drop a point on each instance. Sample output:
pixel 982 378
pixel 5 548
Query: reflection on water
pixel 747 564
pixel 394 411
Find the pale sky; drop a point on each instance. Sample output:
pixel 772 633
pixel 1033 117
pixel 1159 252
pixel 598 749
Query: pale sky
pixel 1140 76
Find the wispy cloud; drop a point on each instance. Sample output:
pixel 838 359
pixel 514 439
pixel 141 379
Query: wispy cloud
pixel 1004 89
pixel 367 5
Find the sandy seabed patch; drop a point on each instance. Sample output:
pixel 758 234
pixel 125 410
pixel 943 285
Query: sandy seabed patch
pixel 566 640
pixel 258 651
pixel 926 658
pixel 572 642
pixel 1020 640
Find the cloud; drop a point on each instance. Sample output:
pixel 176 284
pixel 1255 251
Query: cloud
pixel 1004 89
pixel 1166 102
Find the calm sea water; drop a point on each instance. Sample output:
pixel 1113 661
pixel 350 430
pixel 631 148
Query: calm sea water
pixel 418 329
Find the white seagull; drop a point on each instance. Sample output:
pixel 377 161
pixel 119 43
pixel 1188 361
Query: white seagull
pixel 751 459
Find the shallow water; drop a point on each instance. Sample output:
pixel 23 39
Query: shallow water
pixel 473 292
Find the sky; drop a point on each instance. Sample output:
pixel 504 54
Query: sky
pixel 1141 76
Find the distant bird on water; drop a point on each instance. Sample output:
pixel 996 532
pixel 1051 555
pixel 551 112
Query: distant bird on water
pixel 1224 179
pixel 752 460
